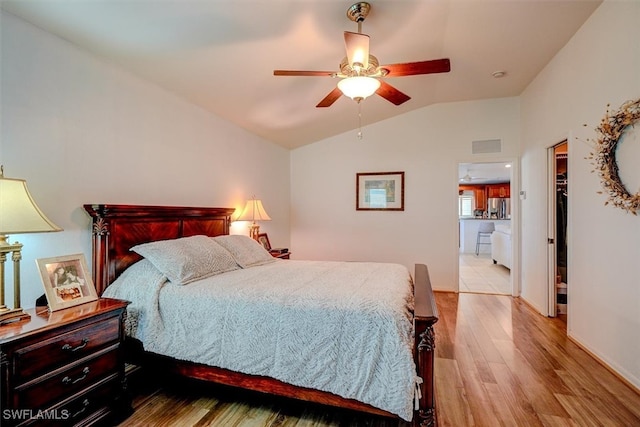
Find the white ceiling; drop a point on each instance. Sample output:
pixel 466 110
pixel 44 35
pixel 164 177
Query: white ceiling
pixel 484 173
pixel 220 54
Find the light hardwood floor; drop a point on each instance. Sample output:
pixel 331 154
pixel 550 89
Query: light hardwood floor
pixel 498 363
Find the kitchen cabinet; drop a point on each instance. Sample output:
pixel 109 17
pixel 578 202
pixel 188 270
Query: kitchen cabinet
pixel 499 190
pixel 479 194
pixel 481 198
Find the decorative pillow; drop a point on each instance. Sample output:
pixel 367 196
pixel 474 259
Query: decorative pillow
pixel 187 259
pixel 246 251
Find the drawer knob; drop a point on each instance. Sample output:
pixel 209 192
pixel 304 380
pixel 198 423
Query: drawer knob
pixel 67 380
pixel 69 347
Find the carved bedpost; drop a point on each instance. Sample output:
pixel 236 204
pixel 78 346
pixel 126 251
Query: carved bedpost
pixel 100 247
pixel 426 315
pixel 425 345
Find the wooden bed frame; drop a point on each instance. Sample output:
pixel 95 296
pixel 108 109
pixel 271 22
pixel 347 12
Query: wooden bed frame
pixel 117 228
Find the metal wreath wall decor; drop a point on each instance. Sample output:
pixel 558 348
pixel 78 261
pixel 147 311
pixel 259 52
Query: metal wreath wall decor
pixel 611 128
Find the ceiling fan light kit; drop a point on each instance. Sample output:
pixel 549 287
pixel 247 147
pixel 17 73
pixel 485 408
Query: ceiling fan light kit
pixel 359 87
pixel 360 72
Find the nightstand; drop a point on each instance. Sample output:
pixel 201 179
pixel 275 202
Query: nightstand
pixel 285 255
pixel 64 367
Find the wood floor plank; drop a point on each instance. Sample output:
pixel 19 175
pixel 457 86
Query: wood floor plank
pixel 452 406
pixel 479 401
pixel 602 403
pixel 498 363
pixel 579 412
pixel 503 415
pixel 480 334
pixel 497 323
pixel 553 421
pixel 534 382
pixel 514 396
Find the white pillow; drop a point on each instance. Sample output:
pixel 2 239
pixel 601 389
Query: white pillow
pixel 187 259
pixel 246 251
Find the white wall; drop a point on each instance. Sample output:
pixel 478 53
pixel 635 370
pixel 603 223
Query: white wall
pixel 82 131
pixel 599 66
pixel 427 145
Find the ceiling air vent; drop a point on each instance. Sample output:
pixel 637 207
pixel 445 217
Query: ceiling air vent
pixel 486 146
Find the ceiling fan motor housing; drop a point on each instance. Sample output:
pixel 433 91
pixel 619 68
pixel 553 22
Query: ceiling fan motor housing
pixel 347 70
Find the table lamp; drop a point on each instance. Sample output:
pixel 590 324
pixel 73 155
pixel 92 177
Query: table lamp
pixel 253 211
pixel 19 214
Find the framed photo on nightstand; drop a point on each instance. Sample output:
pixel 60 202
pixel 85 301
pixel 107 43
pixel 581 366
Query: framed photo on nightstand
pixel 66 281
pixel 263 239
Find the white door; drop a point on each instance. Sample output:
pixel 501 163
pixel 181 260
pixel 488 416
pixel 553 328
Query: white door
pixel 551 230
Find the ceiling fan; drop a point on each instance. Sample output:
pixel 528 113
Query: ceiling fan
pixel 360 72
pixel 469 178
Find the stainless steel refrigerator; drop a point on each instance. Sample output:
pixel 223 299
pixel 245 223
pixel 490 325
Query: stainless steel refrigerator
pixel 499 208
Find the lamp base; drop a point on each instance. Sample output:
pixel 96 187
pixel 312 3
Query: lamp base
pixel 10 315
pixel 254 230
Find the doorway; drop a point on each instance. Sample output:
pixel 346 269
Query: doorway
pixel 558 192
pixel 484 200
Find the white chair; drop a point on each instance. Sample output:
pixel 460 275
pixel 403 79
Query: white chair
pixel 484 231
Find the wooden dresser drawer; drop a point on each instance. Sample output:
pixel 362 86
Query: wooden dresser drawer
pixel 61 350
pixel 85 408
pixel 66 382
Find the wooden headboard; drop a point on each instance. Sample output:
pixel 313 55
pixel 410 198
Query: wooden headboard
pixel 117 228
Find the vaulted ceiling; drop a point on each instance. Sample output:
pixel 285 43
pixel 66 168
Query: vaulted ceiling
pixel 220 54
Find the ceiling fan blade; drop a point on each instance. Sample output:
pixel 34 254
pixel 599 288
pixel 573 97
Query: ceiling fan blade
pixel 357 46
pixel 303 73
pixel 330 98
pixel 415 68
pixel 392 94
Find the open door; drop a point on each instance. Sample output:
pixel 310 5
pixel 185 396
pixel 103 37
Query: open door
pixel 557 157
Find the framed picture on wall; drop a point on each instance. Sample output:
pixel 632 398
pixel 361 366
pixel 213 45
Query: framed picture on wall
pixel 380 191
pixel 66 281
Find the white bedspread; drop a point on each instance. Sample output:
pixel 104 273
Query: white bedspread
pixel 340 327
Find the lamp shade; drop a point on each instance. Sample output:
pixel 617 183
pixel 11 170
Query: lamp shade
pixel 359 87
pixel 19 212
pixel 254 211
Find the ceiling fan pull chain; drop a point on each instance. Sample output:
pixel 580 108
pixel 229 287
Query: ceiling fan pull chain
pixel 359 120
